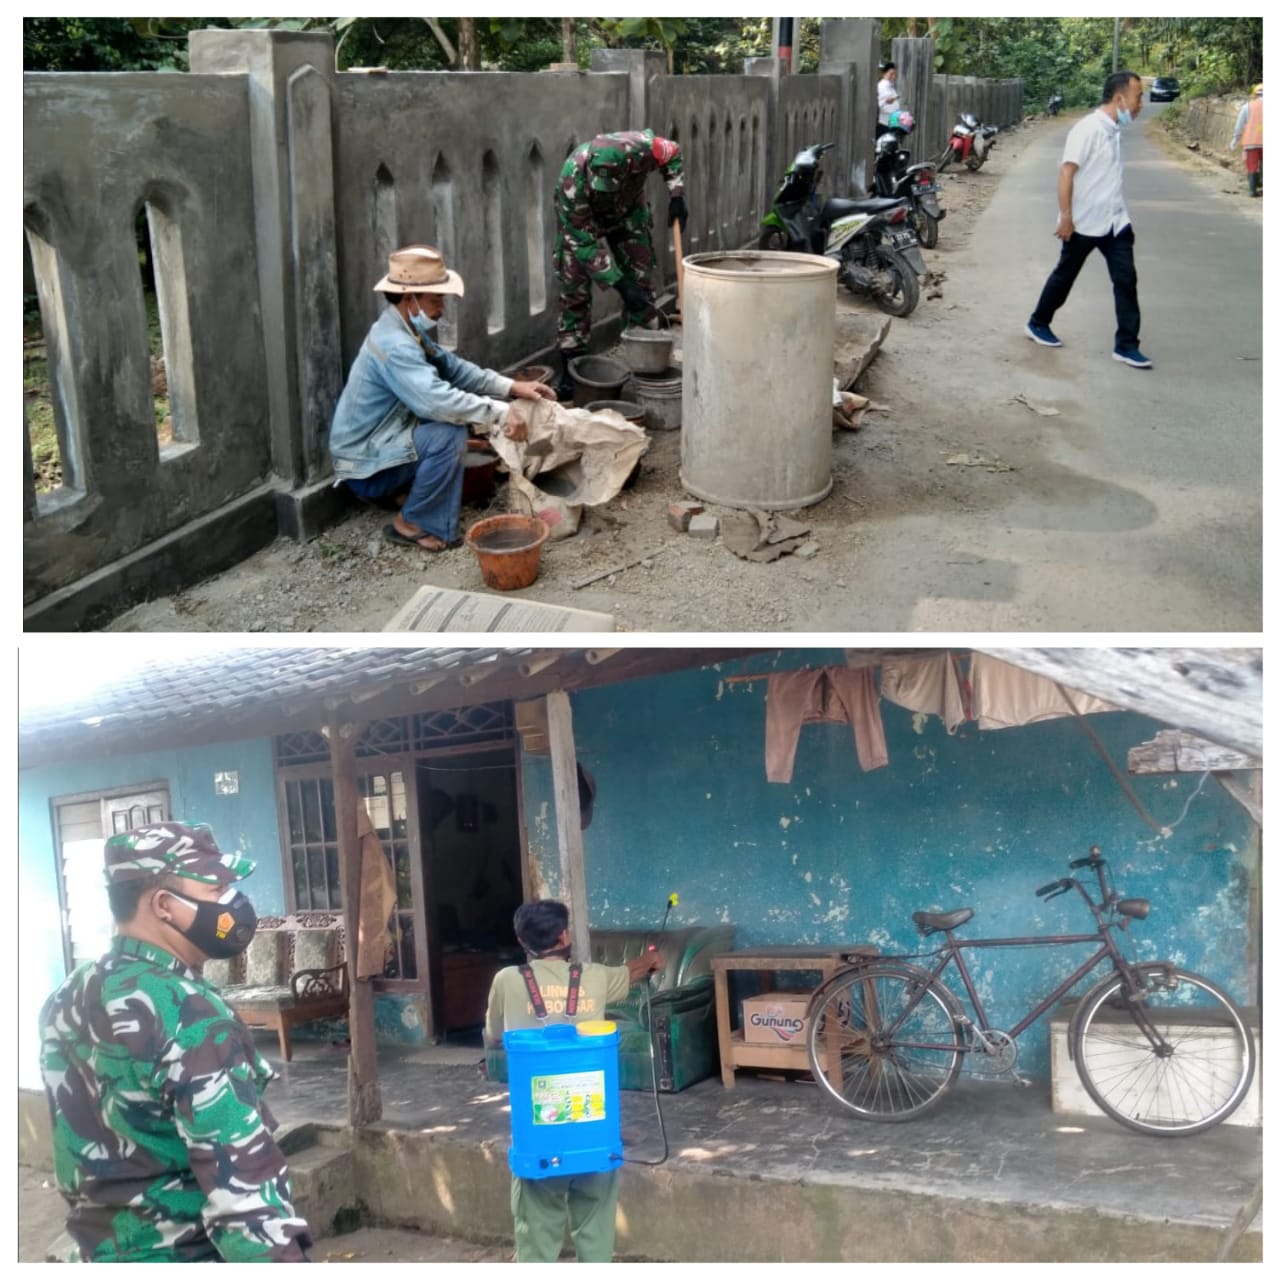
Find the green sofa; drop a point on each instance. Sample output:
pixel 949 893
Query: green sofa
pixel 681 1001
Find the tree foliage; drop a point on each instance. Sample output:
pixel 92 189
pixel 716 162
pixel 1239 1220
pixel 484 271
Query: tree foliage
pixel 1071 56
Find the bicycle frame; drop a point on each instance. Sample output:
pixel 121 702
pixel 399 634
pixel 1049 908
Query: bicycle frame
pixel 953 948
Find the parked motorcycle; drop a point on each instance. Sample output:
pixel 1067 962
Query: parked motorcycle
pixel 872 239
pixel 1055 104
pixel 897 177
pixel 971 142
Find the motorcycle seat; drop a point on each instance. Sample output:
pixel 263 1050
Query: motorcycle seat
pixel 840 208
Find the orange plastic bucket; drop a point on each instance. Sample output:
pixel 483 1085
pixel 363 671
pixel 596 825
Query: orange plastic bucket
pixel 509 549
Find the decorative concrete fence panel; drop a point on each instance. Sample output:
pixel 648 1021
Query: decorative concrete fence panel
pixel 98 149
pixel 722 125
pixel 469 163
pixel 809 111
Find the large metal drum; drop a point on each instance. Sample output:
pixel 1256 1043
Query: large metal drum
pixel 759 343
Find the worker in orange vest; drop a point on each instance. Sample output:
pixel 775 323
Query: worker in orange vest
pixel 1249 132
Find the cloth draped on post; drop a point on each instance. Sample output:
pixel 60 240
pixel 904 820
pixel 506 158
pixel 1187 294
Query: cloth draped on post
pixel 377 899
pixel 829 695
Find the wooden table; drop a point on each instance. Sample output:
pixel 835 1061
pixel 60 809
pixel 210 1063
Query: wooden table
pixel 735 1052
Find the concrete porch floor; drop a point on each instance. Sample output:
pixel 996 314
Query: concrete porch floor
pixel 772 1171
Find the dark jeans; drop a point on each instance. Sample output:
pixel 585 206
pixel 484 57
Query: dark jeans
pixel 434 482
pixel 1118 251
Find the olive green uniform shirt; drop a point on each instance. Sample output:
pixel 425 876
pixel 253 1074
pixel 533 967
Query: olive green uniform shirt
pixel 510 1008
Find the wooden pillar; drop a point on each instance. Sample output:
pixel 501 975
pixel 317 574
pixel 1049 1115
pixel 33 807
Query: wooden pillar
pixel 564 776
pixel 364 1097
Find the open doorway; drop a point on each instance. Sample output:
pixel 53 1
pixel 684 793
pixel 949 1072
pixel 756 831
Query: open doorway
pixel 469 807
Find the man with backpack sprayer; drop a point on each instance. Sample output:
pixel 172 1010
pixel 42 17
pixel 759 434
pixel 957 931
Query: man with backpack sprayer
pixel 550 989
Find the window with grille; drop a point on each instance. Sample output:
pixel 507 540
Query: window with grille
pixel 484 722
pixel 313 853
pixel 313 844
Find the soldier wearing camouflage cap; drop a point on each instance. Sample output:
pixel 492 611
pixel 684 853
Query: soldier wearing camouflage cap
pixel 162 1143
pixel 604 233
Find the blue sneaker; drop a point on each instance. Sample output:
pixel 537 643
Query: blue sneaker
pixel 1042 334
pixel 1134 359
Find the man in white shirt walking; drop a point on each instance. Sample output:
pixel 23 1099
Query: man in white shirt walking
pixel 1092 215
pixel 887 92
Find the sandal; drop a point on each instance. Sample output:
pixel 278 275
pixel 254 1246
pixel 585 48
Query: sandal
pixel 392 534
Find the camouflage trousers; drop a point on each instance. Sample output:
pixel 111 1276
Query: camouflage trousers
pixel 631 243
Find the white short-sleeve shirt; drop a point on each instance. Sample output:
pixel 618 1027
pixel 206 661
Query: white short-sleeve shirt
pixel 887 96
pixel 1097 197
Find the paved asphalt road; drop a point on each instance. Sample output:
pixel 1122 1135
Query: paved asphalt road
pixel 1146 513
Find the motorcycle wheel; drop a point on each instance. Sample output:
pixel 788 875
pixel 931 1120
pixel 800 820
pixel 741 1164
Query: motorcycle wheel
pixel 975 162
pixel 926 229
pixel 772 239
pixel 902 302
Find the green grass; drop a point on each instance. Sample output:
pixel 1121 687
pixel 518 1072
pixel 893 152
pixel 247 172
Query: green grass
pixel 37 394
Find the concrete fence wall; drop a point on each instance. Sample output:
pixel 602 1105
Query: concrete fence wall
pixel 275 189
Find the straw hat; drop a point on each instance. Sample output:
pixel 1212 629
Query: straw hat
pixel 419 268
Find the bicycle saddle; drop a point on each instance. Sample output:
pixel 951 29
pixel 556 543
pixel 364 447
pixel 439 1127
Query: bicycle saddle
pixel 935 921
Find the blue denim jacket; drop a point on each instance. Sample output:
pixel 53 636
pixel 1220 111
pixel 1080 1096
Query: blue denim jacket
pixel 395 382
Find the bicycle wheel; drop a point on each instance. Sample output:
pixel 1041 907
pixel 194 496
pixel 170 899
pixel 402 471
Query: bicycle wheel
pixel 1175 1059
pixel 884 1041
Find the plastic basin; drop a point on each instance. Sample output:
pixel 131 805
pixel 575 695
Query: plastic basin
pixel 508 549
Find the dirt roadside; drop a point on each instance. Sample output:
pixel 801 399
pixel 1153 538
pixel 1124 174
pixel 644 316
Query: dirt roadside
pixel 927 454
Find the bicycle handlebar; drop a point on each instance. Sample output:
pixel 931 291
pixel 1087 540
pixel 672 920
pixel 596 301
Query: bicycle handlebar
pixel 1094 859
pixel 1057 886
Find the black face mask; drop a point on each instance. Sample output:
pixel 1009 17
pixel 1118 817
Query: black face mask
pixel 221 929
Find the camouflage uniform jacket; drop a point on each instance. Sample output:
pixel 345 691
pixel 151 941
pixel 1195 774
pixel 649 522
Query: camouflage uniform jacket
pixel 161 1142
pixel 602 182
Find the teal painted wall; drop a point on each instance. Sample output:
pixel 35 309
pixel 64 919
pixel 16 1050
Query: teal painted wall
pixel 246 821
pixel 979 819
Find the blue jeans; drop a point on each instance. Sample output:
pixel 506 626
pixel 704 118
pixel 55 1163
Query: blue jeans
pixel 434 482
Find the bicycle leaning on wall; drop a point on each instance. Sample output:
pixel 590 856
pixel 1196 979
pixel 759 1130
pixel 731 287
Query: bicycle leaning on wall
pixel 1161 1050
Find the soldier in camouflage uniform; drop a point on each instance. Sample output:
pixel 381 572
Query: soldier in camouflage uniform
pixel 604 232
pixel 162 1143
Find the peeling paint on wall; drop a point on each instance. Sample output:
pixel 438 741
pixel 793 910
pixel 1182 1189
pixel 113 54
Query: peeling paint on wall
pixel 978 819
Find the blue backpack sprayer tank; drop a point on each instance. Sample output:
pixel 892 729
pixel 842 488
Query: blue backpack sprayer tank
pixel 566 1115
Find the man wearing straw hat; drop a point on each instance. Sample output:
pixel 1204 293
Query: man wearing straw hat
pixel 401 426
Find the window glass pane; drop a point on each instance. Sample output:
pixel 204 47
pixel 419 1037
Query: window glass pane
pixel 311 829
pixel 408 962
pixel 399 806
pixel 326 809
pixel 404 880
pixel 331 861
pixel 293 802
pixel 300 894
pixel 315 866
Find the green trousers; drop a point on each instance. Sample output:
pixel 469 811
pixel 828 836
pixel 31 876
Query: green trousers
pixel 542 1206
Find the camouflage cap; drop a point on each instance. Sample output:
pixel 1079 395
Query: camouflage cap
pixel 175 848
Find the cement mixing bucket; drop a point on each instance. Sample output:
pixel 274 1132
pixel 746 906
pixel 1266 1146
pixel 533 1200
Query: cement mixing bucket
pixel 759 342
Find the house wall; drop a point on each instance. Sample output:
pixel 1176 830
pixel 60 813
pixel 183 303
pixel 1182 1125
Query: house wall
pixel 980 819
pixel 246 821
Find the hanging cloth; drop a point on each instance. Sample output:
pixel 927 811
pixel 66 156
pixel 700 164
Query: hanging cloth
pixel 1004 695
pixel 828 695
pixel 377 899
pixel 931 685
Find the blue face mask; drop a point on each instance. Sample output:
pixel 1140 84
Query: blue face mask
pixel 1123 117
pixel 422 323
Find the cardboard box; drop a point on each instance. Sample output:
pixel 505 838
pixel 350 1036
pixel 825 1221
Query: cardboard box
pixel 776 1018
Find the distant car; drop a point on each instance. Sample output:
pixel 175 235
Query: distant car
pixel 1164 89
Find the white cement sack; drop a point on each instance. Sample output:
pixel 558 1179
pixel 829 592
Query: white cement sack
pixel 571 460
